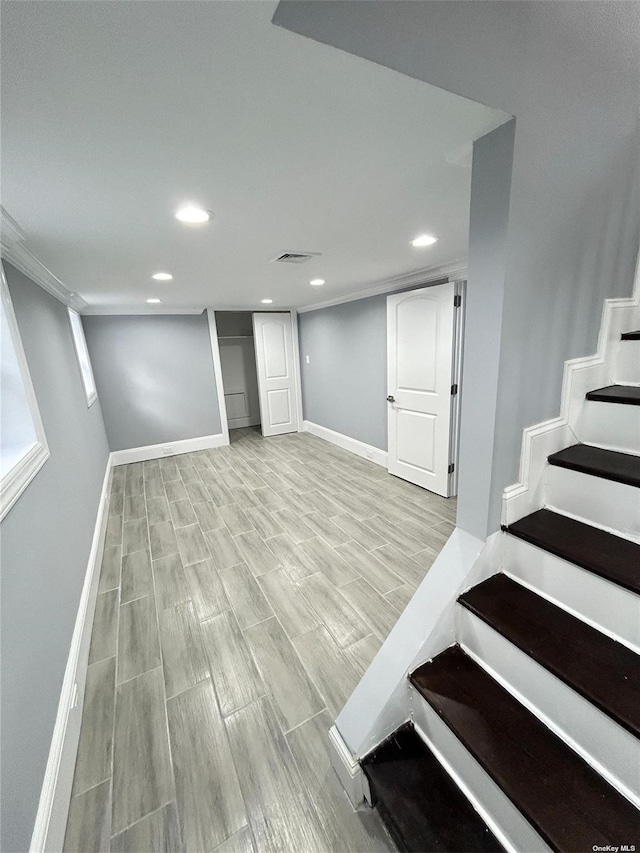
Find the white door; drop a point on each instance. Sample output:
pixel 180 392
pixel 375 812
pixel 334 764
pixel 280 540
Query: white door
pixel 420 352
pixel 273 338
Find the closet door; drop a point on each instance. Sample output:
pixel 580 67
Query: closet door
pixel 273 336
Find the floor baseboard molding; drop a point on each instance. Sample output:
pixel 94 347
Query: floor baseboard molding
pixel 51 817
pixel 366 451
pixel 347 769
pixel 168 448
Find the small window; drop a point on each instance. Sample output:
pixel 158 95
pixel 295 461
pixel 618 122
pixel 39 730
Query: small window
pixel 83 357
pixel 23 445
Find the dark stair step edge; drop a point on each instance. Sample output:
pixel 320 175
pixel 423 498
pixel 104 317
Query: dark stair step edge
pixel 628 395
pixel 631 336
pixel 420 804
pixel 607 464
pixel 605 554
pixel 568 803
pixel 602 670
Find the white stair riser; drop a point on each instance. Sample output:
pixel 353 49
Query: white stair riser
pixel 493 805
pixel 604 744
pixel 612 425
pixel 601 603
pixel 604 503
pixel 628 363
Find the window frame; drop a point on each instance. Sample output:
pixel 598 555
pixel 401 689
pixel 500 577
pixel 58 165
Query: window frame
pixel 16 480
pixel 91 395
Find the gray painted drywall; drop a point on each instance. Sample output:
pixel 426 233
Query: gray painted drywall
pixel 344 386
pixel 569 74
pixel 154 376
pixel 484 296
pixel 45 544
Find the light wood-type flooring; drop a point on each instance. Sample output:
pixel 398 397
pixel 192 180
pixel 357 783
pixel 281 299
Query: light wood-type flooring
pixel 243 592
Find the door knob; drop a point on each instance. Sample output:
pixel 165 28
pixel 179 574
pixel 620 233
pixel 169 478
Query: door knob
pixel 391 398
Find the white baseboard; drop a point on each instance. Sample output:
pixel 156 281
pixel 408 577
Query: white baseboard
pixel 348 770
pixel 366 451
pixel 53 807
pixel 168 448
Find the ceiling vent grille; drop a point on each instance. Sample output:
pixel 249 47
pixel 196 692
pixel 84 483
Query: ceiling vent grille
pixel 294 257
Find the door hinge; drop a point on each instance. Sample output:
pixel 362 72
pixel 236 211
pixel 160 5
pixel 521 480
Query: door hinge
pixel 457 300
pixel 454 390
pixel 452 468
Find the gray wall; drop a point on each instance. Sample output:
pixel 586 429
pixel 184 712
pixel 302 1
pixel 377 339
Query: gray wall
pixel 489 217
pixel 344 387
pixel 154 376
pixel 45 544
pixel 569 74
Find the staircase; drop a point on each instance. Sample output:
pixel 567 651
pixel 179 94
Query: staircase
pixel 525 734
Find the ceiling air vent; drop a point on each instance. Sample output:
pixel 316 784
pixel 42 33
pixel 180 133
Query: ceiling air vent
pixel 294 257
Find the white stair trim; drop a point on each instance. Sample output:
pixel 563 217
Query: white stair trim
pixel 580 376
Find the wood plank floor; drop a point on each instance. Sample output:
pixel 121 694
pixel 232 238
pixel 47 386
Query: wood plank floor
pixel 243 592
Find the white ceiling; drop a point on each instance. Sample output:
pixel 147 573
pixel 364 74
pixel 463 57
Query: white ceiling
pixel 113 113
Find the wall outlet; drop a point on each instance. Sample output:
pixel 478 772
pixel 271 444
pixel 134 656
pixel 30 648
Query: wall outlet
pixel 307 359
pixel 168 451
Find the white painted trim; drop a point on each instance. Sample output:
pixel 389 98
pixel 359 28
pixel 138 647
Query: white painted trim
pixel 580 375
pixel 80 342
pixel 168 448
pixel 296 368
pixel 455 270
pixel 366 451
pixel 14 250
pixel 55 796
pixel 18 478
pixel 217 371
pixel 347 768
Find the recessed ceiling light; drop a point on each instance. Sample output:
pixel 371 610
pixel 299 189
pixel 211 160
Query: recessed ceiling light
pixel 162 276
pixel 193 214
pixel 266 301
pixel 424 240
pixel 153 301
pixel 316 282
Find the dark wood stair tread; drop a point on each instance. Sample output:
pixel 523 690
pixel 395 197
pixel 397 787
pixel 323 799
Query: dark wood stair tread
pixel 628 395
pixel 602 670
pixel 608 464
pixel 631 336
pixel 567 801
pixel 604 554
pixel 419 802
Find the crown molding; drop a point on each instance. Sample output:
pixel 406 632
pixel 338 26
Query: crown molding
pixel 455 269
pixel 14 250
pixel 133 310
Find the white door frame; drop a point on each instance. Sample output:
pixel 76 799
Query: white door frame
pixel 217 372
pixel 458 355
pixel 296 367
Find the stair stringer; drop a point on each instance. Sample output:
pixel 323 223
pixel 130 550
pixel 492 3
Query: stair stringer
pixel 580 376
